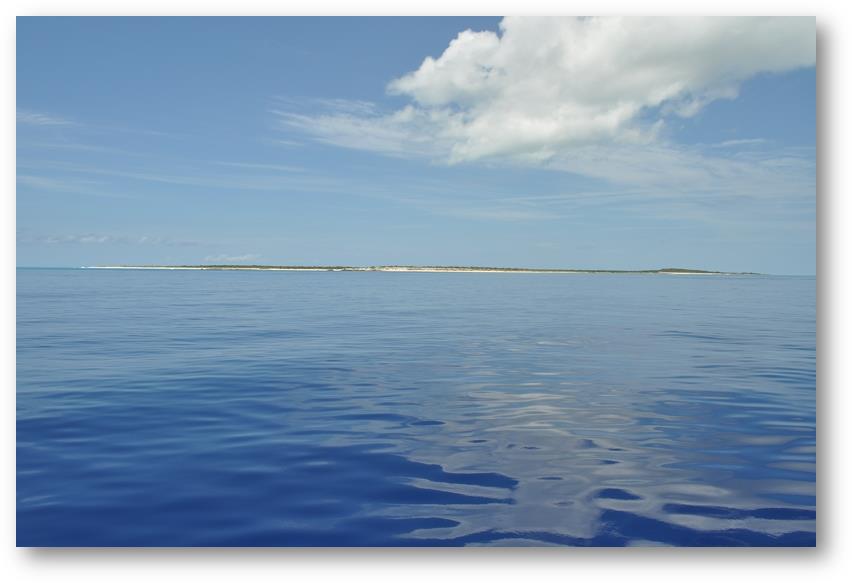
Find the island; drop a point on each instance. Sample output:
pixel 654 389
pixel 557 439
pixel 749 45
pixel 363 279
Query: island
pixel 424 269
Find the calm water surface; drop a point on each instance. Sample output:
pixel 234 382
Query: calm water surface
pixel 267 408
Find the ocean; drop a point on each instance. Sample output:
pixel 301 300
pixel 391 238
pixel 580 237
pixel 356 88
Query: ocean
pixel 252 408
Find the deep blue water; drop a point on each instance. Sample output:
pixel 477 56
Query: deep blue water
pixel 270 408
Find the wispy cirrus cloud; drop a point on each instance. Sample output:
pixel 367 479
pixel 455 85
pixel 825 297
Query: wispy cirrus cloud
pixel 228 258
pixel 252 166
pixel 407 133
pixel 46 120
pixel 87 187
pixel 741 142
pixel 103 239
pixel 71 185
pixel 502 213
pixel 244 177
pixel 42 119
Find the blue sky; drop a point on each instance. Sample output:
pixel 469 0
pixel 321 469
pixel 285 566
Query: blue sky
pixel 463 141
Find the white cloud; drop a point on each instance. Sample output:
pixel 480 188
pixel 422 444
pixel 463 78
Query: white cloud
pixel 577 94
pixel 552 82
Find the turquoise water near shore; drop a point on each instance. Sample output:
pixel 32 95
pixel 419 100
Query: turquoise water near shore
pixel 175 408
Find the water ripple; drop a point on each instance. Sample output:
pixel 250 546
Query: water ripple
pixel 304 409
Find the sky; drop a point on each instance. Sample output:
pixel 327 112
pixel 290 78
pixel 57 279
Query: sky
pixel 620 143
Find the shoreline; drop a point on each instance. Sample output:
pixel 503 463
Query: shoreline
pixel 415 269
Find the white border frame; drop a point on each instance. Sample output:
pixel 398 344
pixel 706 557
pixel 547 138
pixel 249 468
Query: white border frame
pixel 828 562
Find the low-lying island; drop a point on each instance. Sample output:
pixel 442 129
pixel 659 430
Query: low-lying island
pixel 420 269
